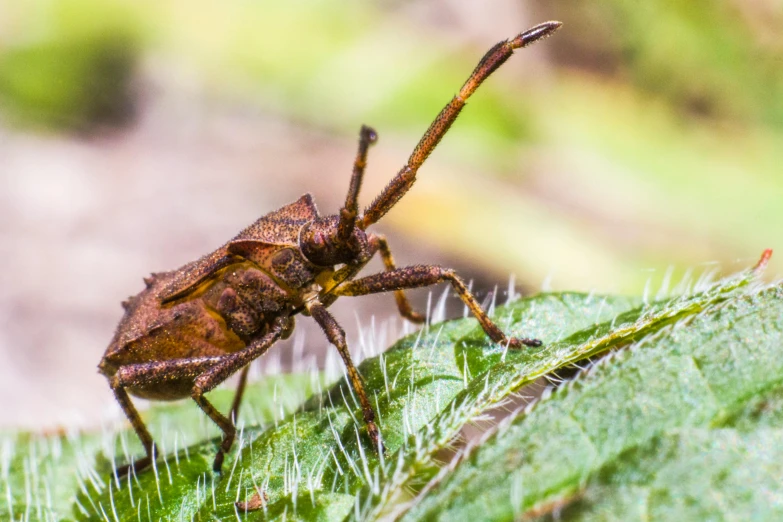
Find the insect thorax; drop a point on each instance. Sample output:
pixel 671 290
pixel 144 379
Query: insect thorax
pixel 251 294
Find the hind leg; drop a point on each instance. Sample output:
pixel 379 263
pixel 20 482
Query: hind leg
pixel 149 374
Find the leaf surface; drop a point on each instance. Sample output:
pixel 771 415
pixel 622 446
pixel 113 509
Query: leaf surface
pixel 313 459
pixel 684 425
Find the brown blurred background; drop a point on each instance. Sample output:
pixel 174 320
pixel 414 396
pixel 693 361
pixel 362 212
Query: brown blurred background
pixel 639 145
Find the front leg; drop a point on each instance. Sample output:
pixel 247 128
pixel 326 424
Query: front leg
pixel 336 336
pixel 378 243
pixel 425 275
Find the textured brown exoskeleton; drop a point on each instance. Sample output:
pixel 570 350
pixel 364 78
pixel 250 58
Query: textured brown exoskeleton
pixel 192 328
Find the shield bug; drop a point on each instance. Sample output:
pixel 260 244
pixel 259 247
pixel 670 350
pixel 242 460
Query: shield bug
pixel 193 327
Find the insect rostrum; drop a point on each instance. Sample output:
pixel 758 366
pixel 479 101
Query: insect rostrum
pixel 193 327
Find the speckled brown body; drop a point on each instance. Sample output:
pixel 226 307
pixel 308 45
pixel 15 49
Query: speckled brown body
pixel 193 327
pixel 214 306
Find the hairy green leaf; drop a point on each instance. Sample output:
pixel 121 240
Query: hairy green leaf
pixel 642 435
pixel 54 476
pixel 498 382
pixel 315 462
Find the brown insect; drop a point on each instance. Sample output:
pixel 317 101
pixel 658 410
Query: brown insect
pixel 192 328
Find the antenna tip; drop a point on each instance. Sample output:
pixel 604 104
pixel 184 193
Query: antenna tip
pixel 536 33
pixel 369 134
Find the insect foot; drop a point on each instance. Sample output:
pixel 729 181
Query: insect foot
pixel 190 329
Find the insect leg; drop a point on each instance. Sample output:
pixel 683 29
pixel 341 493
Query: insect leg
pixel 222 371
pixel 403 305
pixel 234 414
pixel 144 374
pixel 343 274
pixel 141 432
pixel 336 336
pixel 438 128
pixel 425 275
pixel 367 136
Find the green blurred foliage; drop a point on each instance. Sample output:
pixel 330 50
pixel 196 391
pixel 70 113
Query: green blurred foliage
pixel 69 64
pixel 646 136
pixel 714 59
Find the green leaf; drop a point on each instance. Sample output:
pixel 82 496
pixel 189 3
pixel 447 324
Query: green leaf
pixel 41 476
pixel 498 382
pixel 316 463
pixel 319 458
pixel 642 435
pixel 693 474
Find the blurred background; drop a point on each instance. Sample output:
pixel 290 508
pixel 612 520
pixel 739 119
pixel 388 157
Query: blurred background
pixel 638 147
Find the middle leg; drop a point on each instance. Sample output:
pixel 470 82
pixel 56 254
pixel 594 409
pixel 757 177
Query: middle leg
pixel 425 275
pixel 222 371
